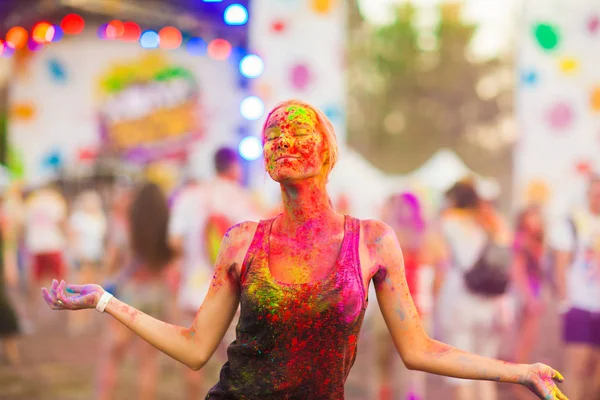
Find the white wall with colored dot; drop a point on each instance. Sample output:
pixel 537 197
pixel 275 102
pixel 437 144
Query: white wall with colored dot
pixel 558 103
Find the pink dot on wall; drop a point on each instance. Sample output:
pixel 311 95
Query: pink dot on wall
pixel 594 24
pixel 278 26
pixel 300 76
pixel 560 116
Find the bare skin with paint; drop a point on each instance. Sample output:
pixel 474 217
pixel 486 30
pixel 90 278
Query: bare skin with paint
pixel 299 155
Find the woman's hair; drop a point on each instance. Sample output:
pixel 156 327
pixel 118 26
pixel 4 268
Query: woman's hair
pixel 323 125
pixel 463 195
pixel 148 221
pixel 410 202
pixel 521 224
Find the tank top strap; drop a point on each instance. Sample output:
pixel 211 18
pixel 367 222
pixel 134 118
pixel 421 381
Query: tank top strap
pixel 257 246
pixel 349 257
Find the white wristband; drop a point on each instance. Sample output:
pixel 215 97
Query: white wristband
pixel 103 302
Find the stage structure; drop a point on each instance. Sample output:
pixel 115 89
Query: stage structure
pixel 149 81
pixel 86 87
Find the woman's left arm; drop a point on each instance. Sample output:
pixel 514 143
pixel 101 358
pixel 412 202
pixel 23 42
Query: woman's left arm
pixel 417 349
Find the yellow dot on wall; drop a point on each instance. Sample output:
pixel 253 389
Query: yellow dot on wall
pixel 22 111
pixel 595 99
pixel 537 192
pixel 569 65
pixel 322 6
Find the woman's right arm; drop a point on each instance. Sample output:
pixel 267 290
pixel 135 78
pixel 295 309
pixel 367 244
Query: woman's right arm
pixel 192 346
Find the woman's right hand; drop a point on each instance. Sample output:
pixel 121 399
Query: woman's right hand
pixel 72 297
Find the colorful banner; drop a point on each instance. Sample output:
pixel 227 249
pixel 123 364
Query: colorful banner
pixel 149 109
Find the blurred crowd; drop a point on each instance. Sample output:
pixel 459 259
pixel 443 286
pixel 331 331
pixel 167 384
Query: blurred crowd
pixel 474 274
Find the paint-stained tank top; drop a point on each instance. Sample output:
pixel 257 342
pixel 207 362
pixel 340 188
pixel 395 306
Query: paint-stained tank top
pixel 294 341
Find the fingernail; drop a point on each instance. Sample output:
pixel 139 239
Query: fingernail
pixel 69 290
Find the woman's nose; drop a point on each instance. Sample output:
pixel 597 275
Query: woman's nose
pixel 284 142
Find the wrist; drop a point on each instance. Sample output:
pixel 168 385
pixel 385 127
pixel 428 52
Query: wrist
pixel 103 301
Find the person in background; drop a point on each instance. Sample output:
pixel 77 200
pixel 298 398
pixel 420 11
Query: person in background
pixel 200 217
pixel 9 324
pixel 87 230
pixel 143 284
pixel 422 255
pixel 473 322
pixel 527 276
pixel 46 236
pixel 577 283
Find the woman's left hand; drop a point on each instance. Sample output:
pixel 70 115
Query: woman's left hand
pixel 541 380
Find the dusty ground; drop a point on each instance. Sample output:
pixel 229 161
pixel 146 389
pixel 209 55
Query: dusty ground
pixel 56 366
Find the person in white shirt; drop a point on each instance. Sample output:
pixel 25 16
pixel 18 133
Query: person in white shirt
pixel 87 231
pixel 199 218
pixel 45 221
pixel 576 242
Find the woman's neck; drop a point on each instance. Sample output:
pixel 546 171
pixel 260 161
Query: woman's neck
pixel 304 203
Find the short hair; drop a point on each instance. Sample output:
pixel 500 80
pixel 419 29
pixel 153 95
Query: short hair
pixel 224 158
pixel 464 195
pixel 323 124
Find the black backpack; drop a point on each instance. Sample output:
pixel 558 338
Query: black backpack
pixel 490 275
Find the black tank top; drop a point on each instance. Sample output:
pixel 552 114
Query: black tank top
pixel 294 341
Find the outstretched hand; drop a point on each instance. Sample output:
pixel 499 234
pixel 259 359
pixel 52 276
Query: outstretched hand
pixel 72 297
pixel 542 379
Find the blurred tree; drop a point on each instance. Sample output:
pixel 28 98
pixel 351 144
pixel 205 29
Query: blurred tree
pixel 416 89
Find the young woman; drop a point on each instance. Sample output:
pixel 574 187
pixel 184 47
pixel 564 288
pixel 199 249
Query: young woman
pixel 142 283
pixel 527 278
pixel 301 279
pixel 423 254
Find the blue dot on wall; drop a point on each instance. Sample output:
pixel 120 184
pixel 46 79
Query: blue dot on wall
pixel 53 160
pixel 57 71
pixel 529 78
pixel 334 113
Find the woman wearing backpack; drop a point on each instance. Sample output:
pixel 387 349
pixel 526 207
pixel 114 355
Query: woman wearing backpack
pixel 468 317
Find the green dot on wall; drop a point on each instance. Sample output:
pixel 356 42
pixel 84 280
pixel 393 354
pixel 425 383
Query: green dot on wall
pixel 547 36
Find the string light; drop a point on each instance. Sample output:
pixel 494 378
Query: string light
pixel 72 24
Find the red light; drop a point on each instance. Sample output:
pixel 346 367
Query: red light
pixel 131 32
pixel 17 37
pixel 118 28
pixel 219 49
pixel 72 24
pixel 170 37
pixel 43 32
pixel 1 47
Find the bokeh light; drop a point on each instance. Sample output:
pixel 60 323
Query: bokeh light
pixel 58 34
pixel 196 46
pixel 2 46
pixel 17 37
pixel 149 40
pixel 34 46
pixel 219 49
pixel 252 66
pixel 170 37
pixel 117 27
pixel 250 148
pixel 72 24
pixel 8 51
pixel 43 32
pixel 252 108
pixel 131 32
pixel 235 14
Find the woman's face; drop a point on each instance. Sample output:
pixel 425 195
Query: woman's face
pixel 294 149
pixel 533 221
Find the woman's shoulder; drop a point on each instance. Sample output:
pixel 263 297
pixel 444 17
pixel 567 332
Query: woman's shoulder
pixel 375 230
